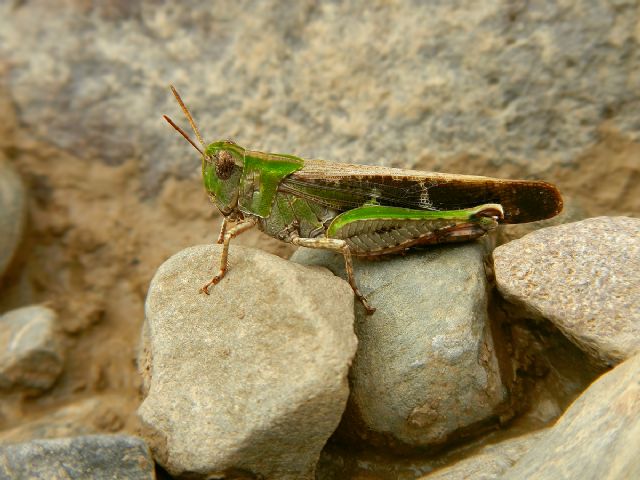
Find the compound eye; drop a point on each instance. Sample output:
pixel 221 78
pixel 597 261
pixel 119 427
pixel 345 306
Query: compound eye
pixel 224 165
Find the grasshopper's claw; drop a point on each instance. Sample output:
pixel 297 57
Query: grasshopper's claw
pixel 369 309
pixel 212 282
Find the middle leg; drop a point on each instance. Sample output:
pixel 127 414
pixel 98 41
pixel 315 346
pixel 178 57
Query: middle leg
pixel 340 246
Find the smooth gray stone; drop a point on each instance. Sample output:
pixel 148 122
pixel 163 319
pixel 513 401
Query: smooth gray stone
pixel 96 457
pixel 426 364
pixel 582 276
pixel 252 377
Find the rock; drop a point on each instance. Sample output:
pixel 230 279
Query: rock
pixel 597 437
pixel 490 462
pixel 426 364
pixel 466 86
pixel 99 457
pixel 31 355
pixel 251 378
pixel 13 207
pixel 584 277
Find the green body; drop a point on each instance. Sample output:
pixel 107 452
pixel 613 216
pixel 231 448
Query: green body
pixel 376 210
pixel 356 209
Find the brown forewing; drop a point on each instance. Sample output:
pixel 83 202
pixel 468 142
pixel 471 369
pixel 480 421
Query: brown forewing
pixel 344 186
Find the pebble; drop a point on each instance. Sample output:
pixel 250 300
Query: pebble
pixel 31 354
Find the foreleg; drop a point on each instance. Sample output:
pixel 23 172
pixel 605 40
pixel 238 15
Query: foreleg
pixel 223 230
pixel 227 236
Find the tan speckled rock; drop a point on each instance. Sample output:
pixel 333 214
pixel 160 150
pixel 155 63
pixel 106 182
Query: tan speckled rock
pixel 584 277
pixel 252 377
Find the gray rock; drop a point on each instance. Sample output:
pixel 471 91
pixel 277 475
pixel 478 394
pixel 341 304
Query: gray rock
pixel 96 457
pixel 426 364
pixel 252 377
pixel 13 207
pixel 584 277
pixel 31 354
pixel 598 437
pixel 490 462
pixel 519 88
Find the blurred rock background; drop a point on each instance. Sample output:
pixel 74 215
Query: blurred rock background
pixel 513 89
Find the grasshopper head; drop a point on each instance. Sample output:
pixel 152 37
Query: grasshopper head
pixel 222 165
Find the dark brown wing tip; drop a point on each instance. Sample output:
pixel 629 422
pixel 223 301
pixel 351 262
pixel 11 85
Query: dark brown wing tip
pixel 532 201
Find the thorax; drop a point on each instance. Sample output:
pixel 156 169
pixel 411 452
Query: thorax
pixel 292 215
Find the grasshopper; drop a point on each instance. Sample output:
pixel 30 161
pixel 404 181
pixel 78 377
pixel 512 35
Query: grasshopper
pixel 355 210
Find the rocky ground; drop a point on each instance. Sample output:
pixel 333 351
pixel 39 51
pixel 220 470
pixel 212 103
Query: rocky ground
pixel 511 357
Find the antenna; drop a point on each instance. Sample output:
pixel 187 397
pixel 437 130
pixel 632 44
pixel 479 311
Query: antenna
pixel 189 117
pixel 183 133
